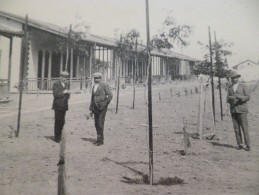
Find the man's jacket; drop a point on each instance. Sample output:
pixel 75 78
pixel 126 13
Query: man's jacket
pixel 60 101
pixel 101 98
pixel 238 99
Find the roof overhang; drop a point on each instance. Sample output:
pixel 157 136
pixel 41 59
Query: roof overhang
pixel 10 32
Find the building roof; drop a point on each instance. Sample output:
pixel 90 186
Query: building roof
pixel 62 31
pixel 9 32
pixel 234 67
pixel 55 29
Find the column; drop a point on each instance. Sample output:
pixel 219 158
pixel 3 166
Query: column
pixel 61 62
pixel 43 70
pixel 49 71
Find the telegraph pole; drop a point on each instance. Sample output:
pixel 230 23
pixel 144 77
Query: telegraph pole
pixel 149 99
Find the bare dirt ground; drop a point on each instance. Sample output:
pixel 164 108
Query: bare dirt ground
pixel 28 164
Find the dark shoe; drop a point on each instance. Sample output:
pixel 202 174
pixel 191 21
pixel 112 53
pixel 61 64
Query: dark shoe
pixel 57 140
pixel 239 147
pixel 95 142
pixel 99 143
pixel 247 148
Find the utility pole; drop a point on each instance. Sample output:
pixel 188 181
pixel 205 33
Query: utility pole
pixel 219 66
pixel 149 99
pixel 212 81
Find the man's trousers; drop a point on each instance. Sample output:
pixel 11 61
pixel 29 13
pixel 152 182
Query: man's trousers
pixel 240 122
pixel 59 123
pixel 99 118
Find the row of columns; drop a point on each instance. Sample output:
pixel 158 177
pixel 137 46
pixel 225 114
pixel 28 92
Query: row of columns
pixel 160 65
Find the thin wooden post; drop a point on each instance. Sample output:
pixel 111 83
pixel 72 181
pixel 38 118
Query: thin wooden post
pixel 10 63
pixel 134 76
pixel 212 80
pixel 219 75
pixel 201 110
pixel 118 87
pixel 62 184
pixel 149 99
pixel 214 123
pixel 68 40
pixel 71 67
pixel 23 64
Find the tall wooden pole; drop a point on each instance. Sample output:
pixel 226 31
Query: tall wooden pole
pixel 219 75
pixel 68 40
pixel 23 66
pixel 62 177
pixel 134 76
pixel 149 99
pixel 10 64
pixel 212 81
pixel 118 87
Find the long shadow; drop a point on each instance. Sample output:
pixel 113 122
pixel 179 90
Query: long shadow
pixel 50 138
pixel 89 139
pixel 144 177
pixel 124 164
pixel 222 145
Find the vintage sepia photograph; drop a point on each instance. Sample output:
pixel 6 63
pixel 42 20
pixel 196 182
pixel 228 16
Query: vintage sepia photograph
pixel 129 97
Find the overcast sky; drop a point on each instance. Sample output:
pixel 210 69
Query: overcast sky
pixel 234 21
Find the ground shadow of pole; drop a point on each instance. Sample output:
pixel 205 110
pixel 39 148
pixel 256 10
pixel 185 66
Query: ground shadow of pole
pixel 144 177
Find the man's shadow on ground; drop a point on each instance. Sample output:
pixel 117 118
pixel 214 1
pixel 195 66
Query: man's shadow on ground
pixel 50 138
pixel 89 139
pixel 222 145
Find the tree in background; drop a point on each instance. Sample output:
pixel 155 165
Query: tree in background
pixel 172 34
pixel 133 39
pixel 220 52
pixel 126 48
pixel 73 42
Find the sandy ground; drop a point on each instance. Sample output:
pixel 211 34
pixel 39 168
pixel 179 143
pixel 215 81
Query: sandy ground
pixel 28 164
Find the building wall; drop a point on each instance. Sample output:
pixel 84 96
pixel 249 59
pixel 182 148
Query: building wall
pixel 248 71
pixel 4 48
pixel 4 61
pixel 16 53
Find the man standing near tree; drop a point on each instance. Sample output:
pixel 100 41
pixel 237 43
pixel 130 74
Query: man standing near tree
pixel 101 97
pixel 237 97
pixel 60 104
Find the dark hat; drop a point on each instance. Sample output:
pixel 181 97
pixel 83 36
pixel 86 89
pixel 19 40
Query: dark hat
pixel 97 75
pixel 234 75
pixel 64 74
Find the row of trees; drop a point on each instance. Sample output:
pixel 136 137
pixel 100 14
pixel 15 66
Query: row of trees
pixel 128 45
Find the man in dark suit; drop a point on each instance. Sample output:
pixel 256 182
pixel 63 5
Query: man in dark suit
pixel 101 97
pixel 60 103
pixel 237 97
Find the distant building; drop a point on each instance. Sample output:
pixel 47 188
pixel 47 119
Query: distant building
pixel 248 70
pixel 48 56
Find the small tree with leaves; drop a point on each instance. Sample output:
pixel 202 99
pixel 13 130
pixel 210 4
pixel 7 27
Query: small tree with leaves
pixel 122 50
pixel 74 41
pixel 172 34
pixel 133 36
pixel 220 52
